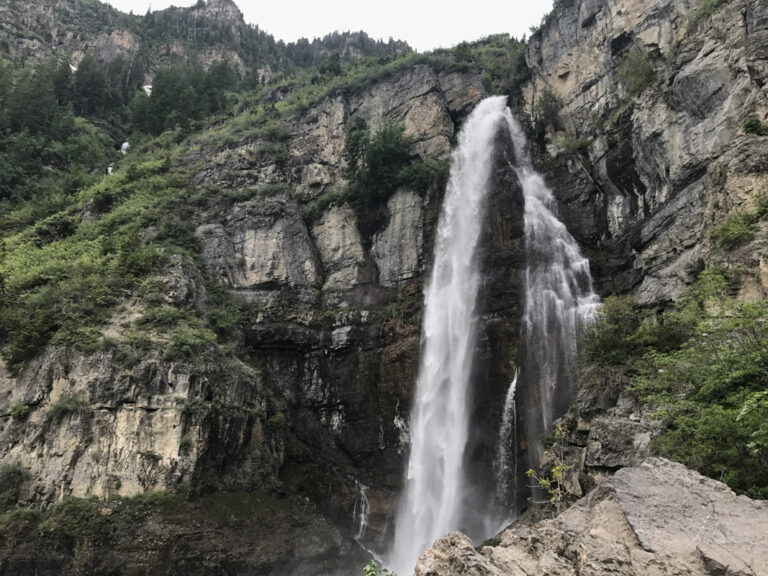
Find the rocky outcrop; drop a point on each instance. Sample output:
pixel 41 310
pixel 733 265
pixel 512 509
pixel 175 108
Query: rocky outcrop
pixel 655 518
pixel 235 533
pixel 398 250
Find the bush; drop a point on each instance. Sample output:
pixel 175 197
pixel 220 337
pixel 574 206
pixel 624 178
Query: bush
pixel 68 403
pixel 12 478
pixel 548 107
pixel 186 342
pixel 702 368
pixel 740 228
pixel 609 339
pixel 76 517
pixel 734 231
pixel 372 569
pixel 635 71
pixel 703 10
pixel 276 422
pixel 754 126
pixel 375 166
pixel 20 411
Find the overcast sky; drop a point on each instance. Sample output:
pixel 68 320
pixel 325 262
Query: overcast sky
pixel 424 24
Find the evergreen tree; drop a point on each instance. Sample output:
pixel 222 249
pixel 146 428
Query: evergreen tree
pixel 62 83
pixel 90 92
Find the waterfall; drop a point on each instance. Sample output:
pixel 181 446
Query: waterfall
pixel 505 466
pixel 558 299
pixel 432 503
pixel 360 512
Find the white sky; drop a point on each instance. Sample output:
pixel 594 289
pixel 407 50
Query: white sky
pixel 424 24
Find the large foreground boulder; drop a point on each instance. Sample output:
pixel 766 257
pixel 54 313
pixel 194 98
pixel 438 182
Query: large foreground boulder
pixel 658 518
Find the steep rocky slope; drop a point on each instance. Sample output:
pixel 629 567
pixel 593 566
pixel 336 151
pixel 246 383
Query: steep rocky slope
pixel 201 34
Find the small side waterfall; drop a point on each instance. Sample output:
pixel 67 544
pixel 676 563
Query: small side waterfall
pixel 505 466
pixel 360 513
pixel 433 501
pixel 558 299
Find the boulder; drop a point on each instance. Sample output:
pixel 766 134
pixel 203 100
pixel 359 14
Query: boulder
pixel 656 518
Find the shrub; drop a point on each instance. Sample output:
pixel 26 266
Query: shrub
pixel 20 411
pixel 609 339
pixel 68 403
pixel 701 367
pixel 186 342
pixel 12 478
pixel 703 10
pixel 76 517
pixel 635 71
pixel 161 317
pixel 734 231
pixel 372 569
pixel 754 126
pixel 375 166
pixel 276 422
pixel 740 227
pixel 548 107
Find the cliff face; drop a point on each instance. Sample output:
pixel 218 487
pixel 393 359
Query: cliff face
pixel 320 407
pixel 653 96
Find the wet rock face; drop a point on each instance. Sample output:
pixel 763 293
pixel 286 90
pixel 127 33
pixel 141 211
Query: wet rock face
pixel 658 517
pixel 500 303
pixel 635 197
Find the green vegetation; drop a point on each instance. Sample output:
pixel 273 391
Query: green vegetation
pixel 754 126
pixel 20 411
pixel 98 518
pixel 68 403
pixel 372 569
pixel 501 57
pixel 704 9
pixel 12 478
pixel 551 480
pixel 635 71
pixel 703 368
pixel 575 145
pixel 740 227
pixel 375 167
pixel 547 114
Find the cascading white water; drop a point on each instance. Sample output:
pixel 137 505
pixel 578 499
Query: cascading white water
pixel 432 503
pixel 558 299
pixel 360 512
pixel 559 296
pixel 505 466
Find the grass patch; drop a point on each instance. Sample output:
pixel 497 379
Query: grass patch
pixel 704 9
pixel 68 403
pixel 740 227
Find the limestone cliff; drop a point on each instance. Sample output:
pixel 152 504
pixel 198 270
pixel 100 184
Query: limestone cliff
pixel 658 163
